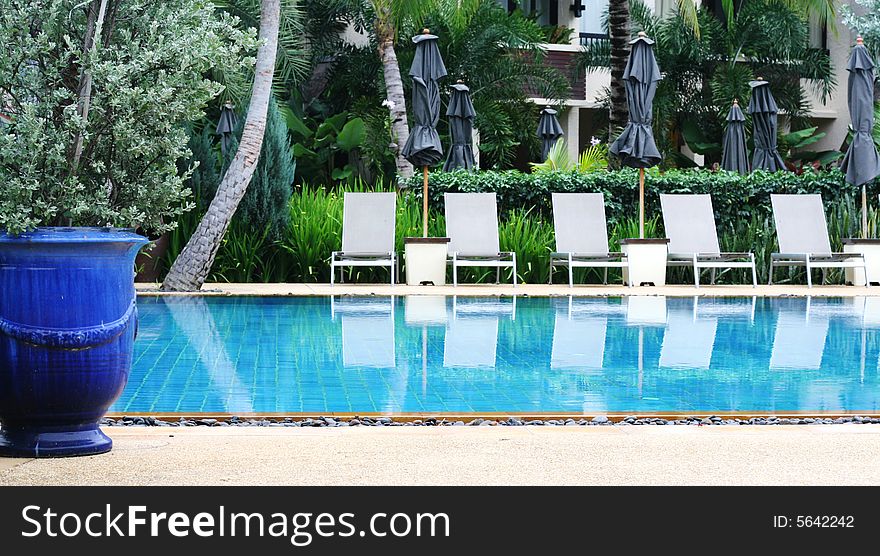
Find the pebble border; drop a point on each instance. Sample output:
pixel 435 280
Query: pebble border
pixel 599 420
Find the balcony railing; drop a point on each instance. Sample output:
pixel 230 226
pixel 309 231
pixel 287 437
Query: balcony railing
pixel 591 39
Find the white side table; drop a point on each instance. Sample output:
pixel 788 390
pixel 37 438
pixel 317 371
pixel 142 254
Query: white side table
pixel 426 260
pixel 870 249
pixel 646 260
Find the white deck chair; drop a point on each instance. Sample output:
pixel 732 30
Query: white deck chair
pixel 803 237
pixel 472 332
pixel 368 221
pixel 472 227
pixel 799 340
pixel 578 336
pixel 582 235
pixel 367 331
pixel 689 222
pixel 689 339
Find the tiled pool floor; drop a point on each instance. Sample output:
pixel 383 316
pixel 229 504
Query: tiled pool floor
pixel 439 354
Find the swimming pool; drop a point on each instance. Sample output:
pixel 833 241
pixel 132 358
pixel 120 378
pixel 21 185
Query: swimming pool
pixel 436 354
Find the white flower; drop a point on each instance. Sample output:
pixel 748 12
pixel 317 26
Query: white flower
pixel 594 141
pixel 389 103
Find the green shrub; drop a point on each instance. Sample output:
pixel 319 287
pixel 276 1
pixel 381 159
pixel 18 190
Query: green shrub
pixel 265 203
pixel 734 197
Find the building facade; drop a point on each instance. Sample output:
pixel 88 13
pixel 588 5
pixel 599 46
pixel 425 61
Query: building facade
pixel 584 18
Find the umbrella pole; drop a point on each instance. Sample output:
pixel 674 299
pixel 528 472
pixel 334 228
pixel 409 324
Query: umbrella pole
pixel 641 203
pixel 425 202
pixel 864 213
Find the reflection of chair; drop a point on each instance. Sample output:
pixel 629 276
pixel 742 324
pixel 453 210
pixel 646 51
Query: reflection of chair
pixel 579 335
pixel 367 330
pixel 688 339
pixel 367 232
pixel 799 341
pixel 472 332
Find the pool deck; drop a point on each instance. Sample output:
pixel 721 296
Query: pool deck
pixel 635 455
pixel 537 290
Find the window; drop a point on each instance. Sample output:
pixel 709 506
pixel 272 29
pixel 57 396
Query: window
pixel 590 21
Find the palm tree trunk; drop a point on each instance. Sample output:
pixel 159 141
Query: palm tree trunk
pixel 192 266
pixel 393 91
pixel 618 30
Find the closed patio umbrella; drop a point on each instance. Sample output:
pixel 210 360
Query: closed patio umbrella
pixel 861 163
pixel 226 125
pixel 635 146
pixel 461 126
pixel 735 156
pixel 549 131
pixel 763 109
pixel 423 147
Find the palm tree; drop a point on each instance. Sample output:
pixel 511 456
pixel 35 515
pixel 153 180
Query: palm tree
pixel 702 76
pixel 619 36
pixel 620 31
pixel 192 266
pixel 499 56
pixel 389 17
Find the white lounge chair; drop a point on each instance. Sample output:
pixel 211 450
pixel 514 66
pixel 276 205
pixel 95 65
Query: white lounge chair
pixel 472 333
pixel 367 331
pixel 472 227
pixel 803 237
pixel 368 221
pixel 582 235
pixel 689 222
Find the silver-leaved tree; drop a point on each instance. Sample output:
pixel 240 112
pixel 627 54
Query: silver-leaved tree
pixel 94 96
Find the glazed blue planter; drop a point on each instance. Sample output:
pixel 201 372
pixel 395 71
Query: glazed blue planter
pixel 68 320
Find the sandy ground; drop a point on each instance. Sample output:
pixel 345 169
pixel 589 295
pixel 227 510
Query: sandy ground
pixel 527 289
pixel 635 455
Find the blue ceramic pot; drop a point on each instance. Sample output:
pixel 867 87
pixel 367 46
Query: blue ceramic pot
pixel 67 325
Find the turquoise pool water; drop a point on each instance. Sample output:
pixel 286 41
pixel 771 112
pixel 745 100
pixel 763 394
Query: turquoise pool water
pixel 466 354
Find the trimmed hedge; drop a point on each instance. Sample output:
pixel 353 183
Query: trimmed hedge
pixel 734 197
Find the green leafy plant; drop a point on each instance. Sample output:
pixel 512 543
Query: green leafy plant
pixel 594 159
pixel 95 131
pixel 317 148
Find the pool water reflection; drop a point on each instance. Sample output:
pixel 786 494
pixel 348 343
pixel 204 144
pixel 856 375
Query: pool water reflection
pixel 525 355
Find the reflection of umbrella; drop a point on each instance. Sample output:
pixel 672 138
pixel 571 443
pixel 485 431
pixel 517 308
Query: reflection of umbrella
pixel 461 126
pixel 763 109
pixel 423 147
pixel 861 163
pixel 549 131
pixel 226 125
pixel 735 157
pixel 635 146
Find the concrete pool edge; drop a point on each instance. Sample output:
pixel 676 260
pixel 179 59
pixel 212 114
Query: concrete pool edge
pixel 613 418
pixel 532 290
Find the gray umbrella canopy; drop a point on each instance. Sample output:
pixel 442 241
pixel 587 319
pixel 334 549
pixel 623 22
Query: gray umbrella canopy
pixel 549 131
pixel 461 126
pixel 763 109
pixel 861 163
pixel 423 147
pixel 735 156
pixel 226 125
pixel 635 146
